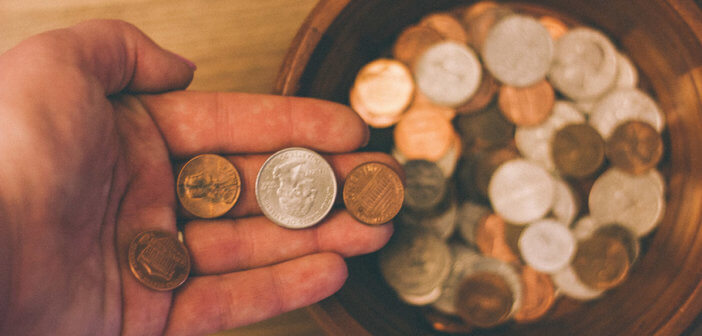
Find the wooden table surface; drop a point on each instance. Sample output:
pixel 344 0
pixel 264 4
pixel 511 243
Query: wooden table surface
pixel 238 45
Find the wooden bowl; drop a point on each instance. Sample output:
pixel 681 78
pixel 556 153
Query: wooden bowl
pixel 663 37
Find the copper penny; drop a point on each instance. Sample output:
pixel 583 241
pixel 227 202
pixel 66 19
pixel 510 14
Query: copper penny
pixel 488 163
pixel 377 121
pixel 484 130
pixel 425 134
pixel 383 89
pixel 446 25
pixel 484 299
pixel 577 150
pixel 483 97
pixel 555 26
pixel 526 106
pixel 373 193
pixel 159 260
pixel 538 295
pixel 601 262
pixel 208 186
pixel 634 147
pixel 490 238
pixel 413 41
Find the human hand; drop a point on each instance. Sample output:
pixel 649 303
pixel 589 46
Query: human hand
pixel 93 122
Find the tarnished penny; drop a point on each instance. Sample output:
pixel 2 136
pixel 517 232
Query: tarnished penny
pixel 208 186
pixel 446 25
pixel 482 97
pixel 484 299
pixel 538 295
pixel 555 26
pixel 484 129
pixel 634 147
pixel 426 185
pixel 527 106
pixel 601 262
pixel 413 41
pixel 159 260
pixel 373 193
pixel 424 135
pixel 577 150
pixel 490 239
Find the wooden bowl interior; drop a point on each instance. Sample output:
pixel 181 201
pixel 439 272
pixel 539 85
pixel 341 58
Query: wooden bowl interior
pixel 663 293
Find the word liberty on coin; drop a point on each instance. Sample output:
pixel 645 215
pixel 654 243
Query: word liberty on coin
pixel 208 186
pixel 296 188
pixel 159 260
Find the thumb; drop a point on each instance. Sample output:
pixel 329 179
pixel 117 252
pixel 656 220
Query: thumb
pixel 121 57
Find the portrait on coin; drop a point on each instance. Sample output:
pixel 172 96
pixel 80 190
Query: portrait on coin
pixel 213 188
pixel 296 189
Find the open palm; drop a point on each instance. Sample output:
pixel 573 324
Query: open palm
pixel 93 121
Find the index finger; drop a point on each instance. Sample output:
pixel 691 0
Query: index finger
pixel 229 123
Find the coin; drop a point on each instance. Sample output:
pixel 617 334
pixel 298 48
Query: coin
pixel 488 163
pixel 568 284
pixel 446 25
pixel 555 26
pixel 208 186
pixel 521 191
pixel 158 260
pixel 296 188
pixel 584 64
pixel 440 221
pixel 484 129
pixel 538 295
pixel 377 121
pixel 449 161
pixel 373 193
pixel 634 147
pixel 521 59
pixel 627 75
pixel 484 299
pixel 601 262
pixel 624 235
pixel 448 73
pixel 482 97
pixel 578 150
pixel 534 142
pixel 622 105
pixel 584 227
pixel 413 41
pixel 468 218
pixel 634 201
pixel 526 106
pixel 383 89
pixel 490 239
pixel 463 259
pixel 479 19
pixel 415 262
pixel 547 245
pixel 425 185
pixel 424 135
pixel 421 102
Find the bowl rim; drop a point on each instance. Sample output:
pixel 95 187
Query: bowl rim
pixel 330 314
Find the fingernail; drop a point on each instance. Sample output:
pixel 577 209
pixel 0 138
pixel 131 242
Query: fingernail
pixel 187 62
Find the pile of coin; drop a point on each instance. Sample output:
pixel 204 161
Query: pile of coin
pixel 295 188
pixel 530 155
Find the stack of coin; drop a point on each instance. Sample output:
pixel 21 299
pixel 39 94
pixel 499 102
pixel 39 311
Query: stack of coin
pixel 517 120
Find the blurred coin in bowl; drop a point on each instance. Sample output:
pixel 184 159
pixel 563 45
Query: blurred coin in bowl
pixel 538 295
pixel 547 246
pixel 413 41
pixel 383 89
pixel 521 191
pixel 601 262
pixel 485 129
pixel 446 25
pixel 479 18
pixel 424 135
pixel 448 73
pixel 426 185
pixel 555 26
pixel 521 59
pixel 623 105
pixel 577 150
pixel 526 106
pixel 634 147
pixel 584 64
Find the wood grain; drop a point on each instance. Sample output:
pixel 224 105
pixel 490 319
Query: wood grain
pixel 238 45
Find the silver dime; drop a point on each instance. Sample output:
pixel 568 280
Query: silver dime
pixel 518 51
pixel 296 188
pixel 448 73
pixel 568 284
pixel 584 64
pixel 425 185
pixel 547 245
